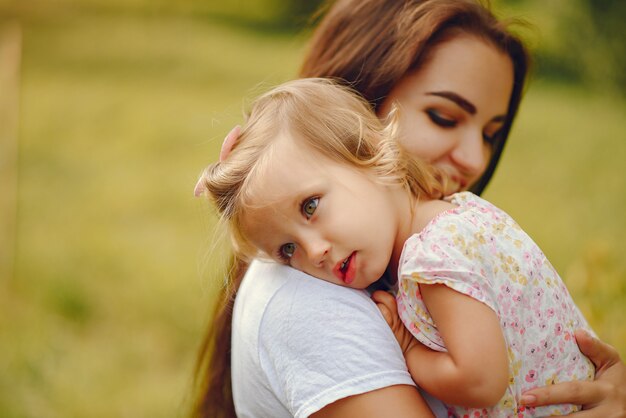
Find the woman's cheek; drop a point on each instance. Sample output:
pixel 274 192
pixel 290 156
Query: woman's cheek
pixel 424 144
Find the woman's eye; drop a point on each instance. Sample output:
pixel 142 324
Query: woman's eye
pixel 286 251
pixel 493 138
pixel 309 206
pixel 440 120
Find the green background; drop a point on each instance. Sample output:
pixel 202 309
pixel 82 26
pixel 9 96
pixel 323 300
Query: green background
pixel 122 103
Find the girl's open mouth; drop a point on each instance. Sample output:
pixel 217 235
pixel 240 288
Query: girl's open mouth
pixel 346 270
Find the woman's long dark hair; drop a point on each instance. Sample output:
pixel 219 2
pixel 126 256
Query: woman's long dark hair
pixel 213 382
pixel 370 44
pixel 373 44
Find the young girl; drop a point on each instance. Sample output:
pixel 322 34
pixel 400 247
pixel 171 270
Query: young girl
pixel 315 181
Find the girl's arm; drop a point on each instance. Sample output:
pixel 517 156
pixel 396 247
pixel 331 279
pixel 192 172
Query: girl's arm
pixel 474 372
pixel 603 397
pixel 401 401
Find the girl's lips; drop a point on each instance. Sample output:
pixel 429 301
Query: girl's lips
pixel 348 272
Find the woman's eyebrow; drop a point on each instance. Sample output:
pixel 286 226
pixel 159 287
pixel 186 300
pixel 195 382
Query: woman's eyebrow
pixel 460 101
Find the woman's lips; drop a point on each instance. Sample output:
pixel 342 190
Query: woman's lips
pixel 345 270
pixel 459 182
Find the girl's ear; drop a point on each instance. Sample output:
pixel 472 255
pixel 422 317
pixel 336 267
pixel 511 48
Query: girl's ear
pixel 200 188
pixel 229 141
pixel 227 147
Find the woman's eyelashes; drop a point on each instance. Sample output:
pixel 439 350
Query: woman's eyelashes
pixel 439 119
pixel 493 138
pixel 447 122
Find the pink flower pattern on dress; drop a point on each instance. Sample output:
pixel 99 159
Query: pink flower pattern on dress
pixel 478 250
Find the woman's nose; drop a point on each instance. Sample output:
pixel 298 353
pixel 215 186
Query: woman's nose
pixel 470 154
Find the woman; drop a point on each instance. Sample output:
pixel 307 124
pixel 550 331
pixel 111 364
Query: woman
pixel 428 58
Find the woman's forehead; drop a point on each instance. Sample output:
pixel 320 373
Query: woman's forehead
pixel 467 66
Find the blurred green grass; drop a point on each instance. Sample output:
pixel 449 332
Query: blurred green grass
pixel 563 179
pixel 118 117
pixel 112 284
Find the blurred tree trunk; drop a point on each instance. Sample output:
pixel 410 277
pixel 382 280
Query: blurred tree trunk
pixel 588 44
pixel 295 13
pixel 608 18
pixel 10 52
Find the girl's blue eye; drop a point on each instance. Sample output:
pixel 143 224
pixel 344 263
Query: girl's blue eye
pixel 309 206
pixel 440 120
pixel 286 251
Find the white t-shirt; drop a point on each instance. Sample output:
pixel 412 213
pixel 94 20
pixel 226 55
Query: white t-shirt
pixel 299 344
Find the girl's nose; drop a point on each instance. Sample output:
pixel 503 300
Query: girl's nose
pixel 317 251
pixel 470 154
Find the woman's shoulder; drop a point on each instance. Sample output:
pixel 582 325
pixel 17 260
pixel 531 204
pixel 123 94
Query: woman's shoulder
pixel 294 329
pixel 280 304
pixel 277 298
pixel 271 283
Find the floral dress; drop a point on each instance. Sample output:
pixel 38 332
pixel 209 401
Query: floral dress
pixel 478 250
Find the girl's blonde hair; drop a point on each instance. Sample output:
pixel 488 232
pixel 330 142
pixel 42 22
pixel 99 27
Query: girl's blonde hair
pixel 326 117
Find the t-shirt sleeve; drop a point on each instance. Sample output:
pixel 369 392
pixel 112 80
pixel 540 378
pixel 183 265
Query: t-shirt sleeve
pixel 320 342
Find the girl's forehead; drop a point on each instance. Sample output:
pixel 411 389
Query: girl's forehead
pixel 286 167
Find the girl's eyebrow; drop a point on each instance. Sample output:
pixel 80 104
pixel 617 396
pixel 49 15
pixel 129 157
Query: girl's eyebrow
pixel 453 97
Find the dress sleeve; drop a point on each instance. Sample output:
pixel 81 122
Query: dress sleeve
pixel 320 342
pixel 455 253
